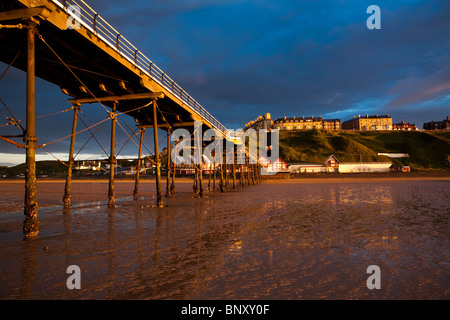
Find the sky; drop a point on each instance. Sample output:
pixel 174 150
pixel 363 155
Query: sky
pixel 243 58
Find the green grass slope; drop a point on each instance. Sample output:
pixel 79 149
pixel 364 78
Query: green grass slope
pixel 42 167
pixel 428 150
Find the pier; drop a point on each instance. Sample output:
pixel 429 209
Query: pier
pixel 91 62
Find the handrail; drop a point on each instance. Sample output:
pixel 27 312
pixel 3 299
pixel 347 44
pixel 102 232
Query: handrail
pixel 102 29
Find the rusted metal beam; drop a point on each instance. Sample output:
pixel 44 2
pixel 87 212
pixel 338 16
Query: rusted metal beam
pixel 18 145
pixel 135 96
pixel 31 224
pixel 112 159
pixel 67 196
pixel 26 13
pixel 165 125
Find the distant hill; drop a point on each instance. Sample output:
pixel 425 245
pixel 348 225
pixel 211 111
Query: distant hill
pixel 428 150
pixel 49 167
pixel 42 167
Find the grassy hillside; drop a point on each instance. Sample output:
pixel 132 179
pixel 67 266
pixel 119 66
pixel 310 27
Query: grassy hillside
pixel 427 150
pixel 42 167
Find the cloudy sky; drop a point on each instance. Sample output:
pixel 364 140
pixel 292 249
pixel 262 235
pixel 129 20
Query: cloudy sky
pixel 243 58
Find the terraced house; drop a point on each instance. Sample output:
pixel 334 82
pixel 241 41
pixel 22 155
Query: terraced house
pixel 306 123
pixel 368 123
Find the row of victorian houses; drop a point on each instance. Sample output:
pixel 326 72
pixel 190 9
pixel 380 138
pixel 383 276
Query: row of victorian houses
pixel 360 123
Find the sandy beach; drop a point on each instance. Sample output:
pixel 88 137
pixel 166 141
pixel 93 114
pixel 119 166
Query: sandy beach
pixel 293 239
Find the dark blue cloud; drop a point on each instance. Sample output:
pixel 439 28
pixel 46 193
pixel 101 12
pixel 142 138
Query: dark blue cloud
pixel 241 59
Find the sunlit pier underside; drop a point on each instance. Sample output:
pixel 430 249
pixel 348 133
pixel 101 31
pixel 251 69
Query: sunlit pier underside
pixel 91 62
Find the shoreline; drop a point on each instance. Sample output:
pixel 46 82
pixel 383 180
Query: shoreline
pixel 417 175
pixel 280 178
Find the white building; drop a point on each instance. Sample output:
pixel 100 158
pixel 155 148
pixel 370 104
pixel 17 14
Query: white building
pixel 359 167
pixel 333 165
pixel 278 165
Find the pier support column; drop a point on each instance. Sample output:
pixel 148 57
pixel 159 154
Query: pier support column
pixel 209 178
pixel 258 177
pixel 67 197
pixel 159 197
pixel 227 176
pixel 168 191
pixel 172 185
pixel 221 182
pixel 200 179
pixel 214 176
pixel 112 158
pixel 224 173
pixel 253 173
pixel 234 176
pixel 31 223
pixel 259 173
pixel 195 186
pixel 138 170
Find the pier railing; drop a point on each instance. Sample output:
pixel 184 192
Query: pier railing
pixel 91 20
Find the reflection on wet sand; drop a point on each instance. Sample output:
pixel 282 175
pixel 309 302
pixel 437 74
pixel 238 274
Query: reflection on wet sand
pixel 272 241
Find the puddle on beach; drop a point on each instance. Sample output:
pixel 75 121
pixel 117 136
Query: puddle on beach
pixel 276 240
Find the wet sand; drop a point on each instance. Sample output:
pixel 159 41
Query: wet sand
pixel 282 239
